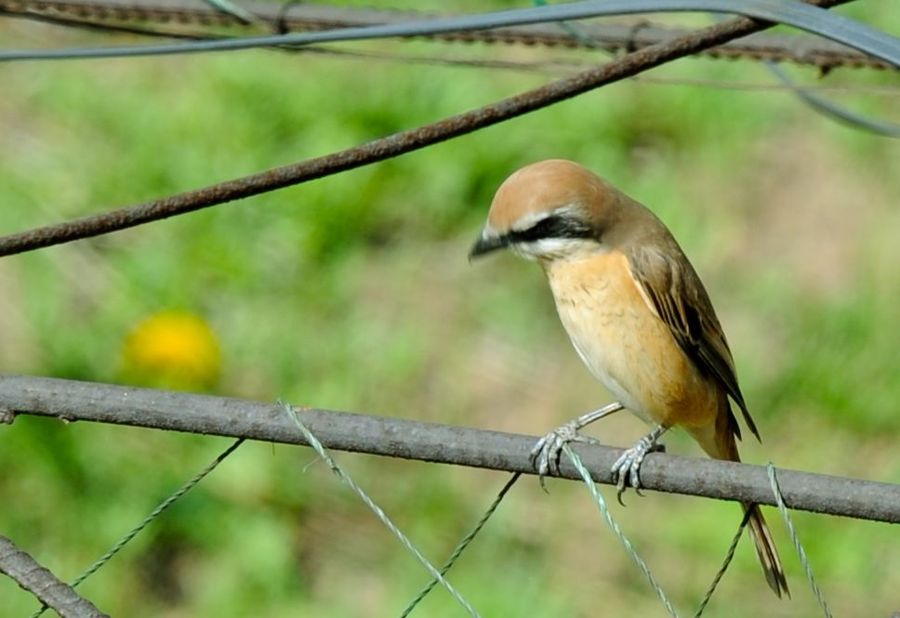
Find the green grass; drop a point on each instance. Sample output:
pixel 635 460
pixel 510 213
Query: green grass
pixel 354 292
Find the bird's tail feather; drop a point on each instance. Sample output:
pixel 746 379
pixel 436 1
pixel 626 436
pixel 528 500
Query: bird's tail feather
pixel 719 442
pixel 765 549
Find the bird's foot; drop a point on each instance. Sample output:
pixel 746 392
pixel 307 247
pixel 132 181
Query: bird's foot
pixel 547 451
pixel 627 469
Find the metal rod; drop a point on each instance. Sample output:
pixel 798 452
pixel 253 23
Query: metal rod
pixel 43 584
pixel 408 439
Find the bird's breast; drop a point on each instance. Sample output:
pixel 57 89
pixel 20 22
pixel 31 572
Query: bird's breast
pixel 625 344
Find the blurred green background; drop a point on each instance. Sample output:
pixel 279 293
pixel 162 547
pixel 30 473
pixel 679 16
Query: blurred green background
pixel 354 293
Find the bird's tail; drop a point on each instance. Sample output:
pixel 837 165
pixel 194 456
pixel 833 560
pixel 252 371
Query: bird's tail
pixel 721 444
pixel 765 549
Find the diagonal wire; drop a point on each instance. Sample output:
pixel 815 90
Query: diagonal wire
pixel 795 539
pixel 813 100
pixel 573 31
pixel 825 107
pixel 629 548
pixel 793 13
pixel 463 544
pixel 404 540
pixel 833 110
pixel 149 518
pixel 725 563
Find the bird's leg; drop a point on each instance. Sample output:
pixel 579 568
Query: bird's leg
pixel 546 453
pixel 628 466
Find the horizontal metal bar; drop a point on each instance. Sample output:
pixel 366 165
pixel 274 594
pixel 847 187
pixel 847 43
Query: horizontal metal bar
pixel 408 439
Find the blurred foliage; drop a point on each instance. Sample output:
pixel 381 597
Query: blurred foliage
pixel 353 292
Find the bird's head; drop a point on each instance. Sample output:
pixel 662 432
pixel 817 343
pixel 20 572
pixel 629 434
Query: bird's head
pixel 549 210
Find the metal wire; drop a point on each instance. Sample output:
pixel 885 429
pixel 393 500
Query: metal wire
pixel 462 545
pixel 795 539
pixel 379 512
pixel 806 17
pixel 165 504
pixel 617 531
pixel 548 66
pixel 171 16
pixel 729 555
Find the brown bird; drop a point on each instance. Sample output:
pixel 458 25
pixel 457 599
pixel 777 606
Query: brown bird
pixel 636 312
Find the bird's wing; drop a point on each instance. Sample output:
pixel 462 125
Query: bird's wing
pixel 678 297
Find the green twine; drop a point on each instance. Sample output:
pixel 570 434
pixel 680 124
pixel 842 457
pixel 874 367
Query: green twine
pixel 629 548
pixel 148 519
pixel 323 453
pixel 795 539
pixel 462 545
pixel 725 563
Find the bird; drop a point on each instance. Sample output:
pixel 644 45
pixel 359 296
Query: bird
pixel 637 314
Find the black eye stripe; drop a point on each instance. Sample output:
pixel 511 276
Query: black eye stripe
pixel 554 226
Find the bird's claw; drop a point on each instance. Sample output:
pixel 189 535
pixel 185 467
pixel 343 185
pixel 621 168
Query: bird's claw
pixel 627 469
pixel 547 452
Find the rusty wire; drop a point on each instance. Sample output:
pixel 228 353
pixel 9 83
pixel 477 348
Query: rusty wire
pixel 386 147
pixel 174 15
pixel 552 66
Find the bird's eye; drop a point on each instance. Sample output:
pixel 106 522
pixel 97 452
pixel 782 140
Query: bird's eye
pixel 545 228
pixel 554 226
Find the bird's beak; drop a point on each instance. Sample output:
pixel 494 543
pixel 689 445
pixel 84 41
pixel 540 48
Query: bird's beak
pixel 487 243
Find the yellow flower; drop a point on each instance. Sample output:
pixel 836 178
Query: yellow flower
pixel 173 349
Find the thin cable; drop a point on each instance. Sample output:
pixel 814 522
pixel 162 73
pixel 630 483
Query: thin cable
pixel 147 520
pixel 828 109
pixel 795 539
pixel 323 453
pixel 295 15
pixel 553 67
pixel 573 31
pixel 832 110
pixel 462 545
pixel 725 564
pixel 629 548
pixel 797 14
